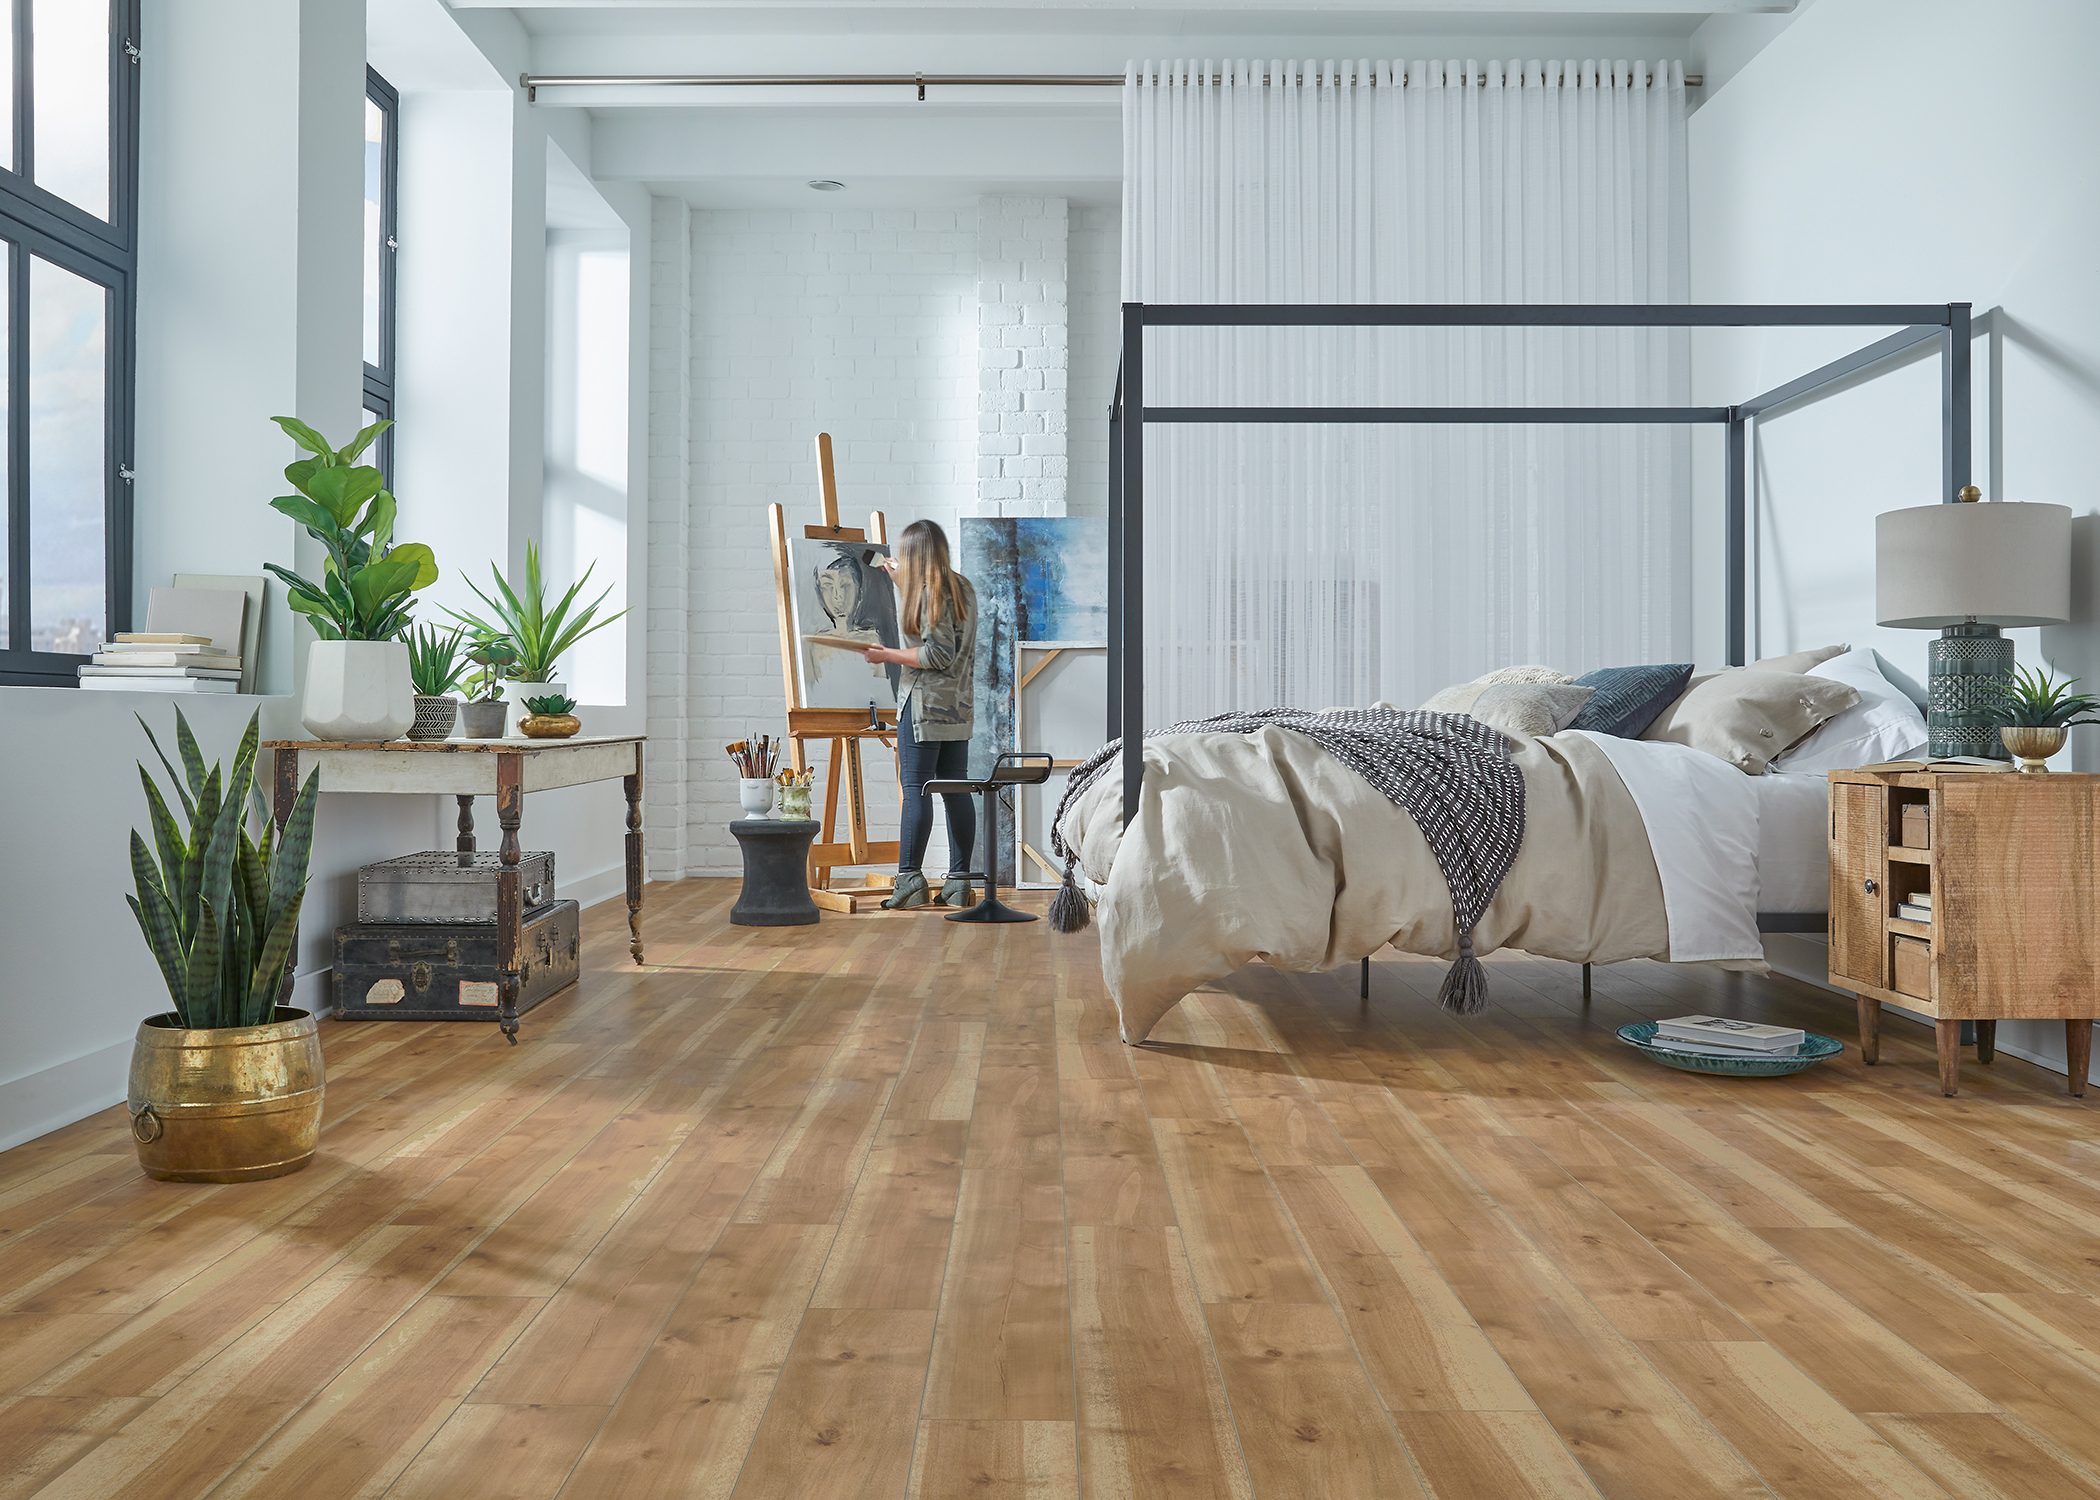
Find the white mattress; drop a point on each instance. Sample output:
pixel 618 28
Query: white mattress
pixel 1793 841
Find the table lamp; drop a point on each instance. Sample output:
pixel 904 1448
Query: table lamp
pixel 1968 570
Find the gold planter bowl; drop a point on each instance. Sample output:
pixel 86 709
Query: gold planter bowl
pixel 2032 747
pixel 229 1103
pixel 549 726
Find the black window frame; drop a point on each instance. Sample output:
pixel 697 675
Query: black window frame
pixel 38 222
pixel 379 378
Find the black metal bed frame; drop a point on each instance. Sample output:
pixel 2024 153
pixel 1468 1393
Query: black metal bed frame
pixel 1948 323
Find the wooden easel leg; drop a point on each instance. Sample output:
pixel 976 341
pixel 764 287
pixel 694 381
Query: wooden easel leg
pixel 820 875
pixel 2078 1051
pixel 856 805
pixel 1948 1035
pixel 1869 1029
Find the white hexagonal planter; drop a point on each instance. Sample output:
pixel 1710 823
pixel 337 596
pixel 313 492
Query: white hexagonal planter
pixel 358 690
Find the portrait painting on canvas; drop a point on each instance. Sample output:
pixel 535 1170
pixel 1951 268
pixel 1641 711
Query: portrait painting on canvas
pixel 841 593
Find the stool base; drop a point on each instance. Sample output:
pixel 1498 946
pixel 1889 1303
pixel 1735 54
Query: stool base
pixel 991 909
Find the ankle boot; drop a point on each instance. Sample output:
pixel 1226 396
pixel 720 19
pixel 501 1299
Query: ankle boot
pixel 956 892
pixel 910 891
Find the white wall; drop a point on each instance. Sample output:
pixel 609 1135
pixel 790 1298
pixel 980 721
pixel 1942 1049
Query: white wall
pixel 1897 151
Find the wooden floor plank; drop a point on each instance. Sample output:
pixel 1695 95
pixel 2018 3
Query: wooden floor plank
pixel 988 1460
pixel 1003 1348
pixel 1509 1455
pixel 500 1452
pixel 1980 1455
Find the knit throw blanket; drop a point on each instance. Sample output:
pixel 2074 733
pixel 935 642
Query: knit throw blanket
pixel 1451 773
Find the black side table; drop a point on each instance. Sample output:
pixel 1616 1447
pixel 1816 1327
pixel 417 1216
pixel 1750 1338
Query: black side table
pixel 776 872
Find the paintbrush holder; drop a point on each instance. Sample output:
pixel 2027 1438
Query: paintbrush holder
pixel 756 792
pixel 794 801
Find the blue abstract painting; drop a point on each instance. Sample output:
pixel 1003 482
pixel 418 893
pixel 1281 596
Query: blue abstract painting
pixel 1037 579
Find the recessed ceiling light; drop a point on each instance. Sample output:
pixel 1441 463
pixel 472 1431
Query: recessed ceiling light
pixel 826 185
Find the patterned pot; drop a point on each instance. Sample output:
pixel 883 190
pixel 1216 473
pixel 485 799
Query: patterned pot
pixel 794 802
pixel 434 718
pixel 483 718
pixel 549 726
pixel 2031 746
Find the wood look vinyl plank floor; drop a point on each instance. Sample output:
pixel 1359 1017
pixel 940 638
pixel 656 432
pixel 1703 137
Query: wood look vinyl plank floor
pixel 882 1208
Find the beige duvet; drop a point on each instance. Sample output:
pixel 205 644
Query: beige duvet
pixel 1265 846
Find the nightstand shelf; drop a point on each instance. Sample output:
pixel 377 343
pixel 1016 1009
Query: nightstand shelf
pixel 2014 880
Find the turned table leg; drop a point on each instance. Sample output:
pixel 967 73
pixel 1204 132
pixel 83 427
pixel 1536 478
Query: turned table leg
pixel 1869 1029
pixel 1948 1035
pixel 2078 1050
pixel 510 914
pixel 633 785
pixel 1986 1040
pixel 464 844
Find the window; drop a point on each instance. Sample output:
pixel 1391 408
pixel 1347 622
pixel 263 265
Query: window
pixel 382 197
pixel 68 196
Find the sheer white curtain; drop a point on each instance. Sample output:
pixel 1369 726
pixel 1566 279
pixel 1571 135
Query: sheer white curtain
pixel 1323 565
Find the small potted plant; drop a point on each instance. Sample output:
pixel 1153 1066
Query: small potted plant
pixel 357 673
pixel 226 1085
pixel 435 665
pixel 541 633
pixel 552 717
pixel 2036 714
pixel 483 714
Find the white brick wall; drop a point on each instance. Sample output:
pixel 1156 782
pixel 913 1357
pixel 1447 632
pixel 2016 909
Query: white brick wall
pixel 880 327
pixel 1095 331
pixel 1023 359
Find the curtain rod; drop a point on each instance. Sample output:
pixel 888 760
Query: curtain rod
pixel 532 83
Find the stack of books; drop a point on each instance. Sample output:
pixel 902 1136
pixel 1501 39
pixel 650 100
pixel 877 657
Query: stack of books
pixel 1717 1036
pixel 1916 908
pixel 163 662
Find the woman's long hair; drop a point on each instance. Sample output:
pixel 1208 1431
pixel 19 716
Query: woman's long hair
pixel 930 587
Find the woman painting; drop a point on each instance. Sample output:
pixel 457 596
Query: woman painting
pixel 938 616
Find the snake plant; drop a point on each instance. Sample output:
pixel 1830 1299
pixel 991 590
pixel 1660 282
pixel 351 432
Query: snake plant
pixel 219 910
pixel 2036 701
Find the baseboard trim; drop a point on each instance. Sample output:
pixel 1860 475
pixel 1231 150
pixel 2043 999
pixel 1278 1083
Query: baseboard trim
pixel 55 1097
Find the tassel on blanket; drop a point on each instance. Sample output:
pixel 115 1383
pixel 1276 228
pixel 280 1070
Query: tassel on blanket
pixel 1068 908
pixel 1465 990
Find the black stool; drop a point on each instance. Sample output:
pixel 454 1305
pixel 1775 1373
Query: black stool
pixel 1014 768
pixel 776 872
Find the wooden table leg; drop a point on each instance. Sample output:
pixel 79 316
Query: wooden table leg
pixel 1869 1029
pixel 1986 1040
pixel 464 844
pixel 2078 1050
pixel 633 785
pixel 1948 1035
pixel 510 913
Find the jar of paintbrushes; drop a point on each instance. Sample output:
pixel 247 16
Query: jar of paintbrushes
pixel 755 757
pixel 794 792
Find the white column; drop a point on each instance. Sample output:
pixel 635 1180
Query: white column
pixel 670 656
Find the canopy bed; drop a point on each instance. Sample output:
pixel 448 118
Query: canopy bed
pixel 1256 843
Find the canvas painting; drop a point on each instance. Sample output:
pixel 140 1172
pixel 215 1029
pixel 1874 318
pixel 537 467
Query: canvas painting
pixel 1037 579
pixel 840 593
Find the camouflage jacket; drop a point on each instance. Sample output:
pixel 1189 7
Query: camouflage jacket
pixel 942 689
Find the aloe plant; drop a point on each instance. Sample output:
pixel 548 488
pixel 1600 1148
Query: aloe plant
pixel 435 663
pixel 344 505
pixel 541 634
pixel 219 909
pixel 2036 701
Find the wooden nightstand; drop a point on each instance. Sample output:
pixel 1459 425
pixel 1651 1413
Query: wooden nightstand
pixel 2013 869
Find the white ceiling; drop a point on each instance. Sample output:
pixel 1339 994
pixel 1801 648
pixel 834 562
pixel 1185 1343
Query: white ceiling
pixel 743 146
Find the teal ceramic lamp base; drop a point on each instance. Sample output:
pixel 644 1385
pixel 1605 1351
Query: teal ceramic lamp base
pixel 1970 666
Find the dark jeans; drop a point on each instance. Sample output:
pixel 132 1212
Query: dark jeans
pixel 919 762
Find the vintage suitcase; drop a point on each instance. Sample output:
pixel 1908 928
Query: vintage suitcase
pixel 444 887
pixel 415 972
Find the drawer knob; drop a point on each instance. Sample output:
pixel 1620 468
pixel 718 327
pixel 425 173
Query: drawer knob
pixel 1871 887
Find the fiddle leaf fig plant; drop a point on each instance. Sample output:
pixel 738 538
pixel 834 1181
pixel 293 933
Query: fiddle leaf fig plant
pixel 366 578
pixel 219 909
pixel 2035 700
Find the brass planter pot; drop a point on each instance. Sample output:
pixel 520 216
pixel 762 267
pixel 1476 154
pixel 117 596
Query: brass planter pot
pixel 2032 747
pixel 549 726
pixel 227 1104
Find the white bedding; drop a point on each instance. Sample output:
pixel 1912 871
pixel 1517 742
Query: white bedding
pixel 1793 841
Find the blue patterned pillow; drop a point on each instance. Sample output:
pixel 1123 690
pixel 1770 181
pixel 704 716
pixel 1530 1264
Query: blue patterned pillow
pixel 1628 699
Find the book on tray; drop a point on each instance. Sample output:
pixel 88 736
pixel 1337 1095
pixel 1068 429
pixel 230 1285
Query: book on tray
pixel 1737 1036
pixel 1713 1049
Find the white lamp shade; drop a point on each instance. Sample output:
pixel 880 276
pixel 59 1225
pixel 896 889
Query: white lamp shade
pixel 1997 564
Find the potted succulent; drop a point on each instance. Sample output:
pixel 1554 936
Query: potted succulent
pixel 483 714
pixel 226 1085
pixel 551 717
pixel 357 673
pixel 435 666
pixel 2035 714
pixel 542 634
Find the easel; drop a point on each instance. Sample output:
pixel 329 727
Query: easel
pixel 845 728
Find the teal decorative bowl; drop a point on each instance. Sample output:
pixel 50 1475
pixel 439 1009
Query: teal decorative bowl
pixel 1814 1048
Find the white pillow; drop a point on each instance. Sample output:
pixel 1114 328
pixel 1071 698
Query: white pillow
pixel 1883 725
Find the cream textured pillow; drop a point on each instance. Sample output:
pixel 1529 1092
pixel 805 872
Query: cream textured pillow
pixel 1522 674
pixel 1533 708
pixel 1457 699
pixel 1798 661
pixel 1747 715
